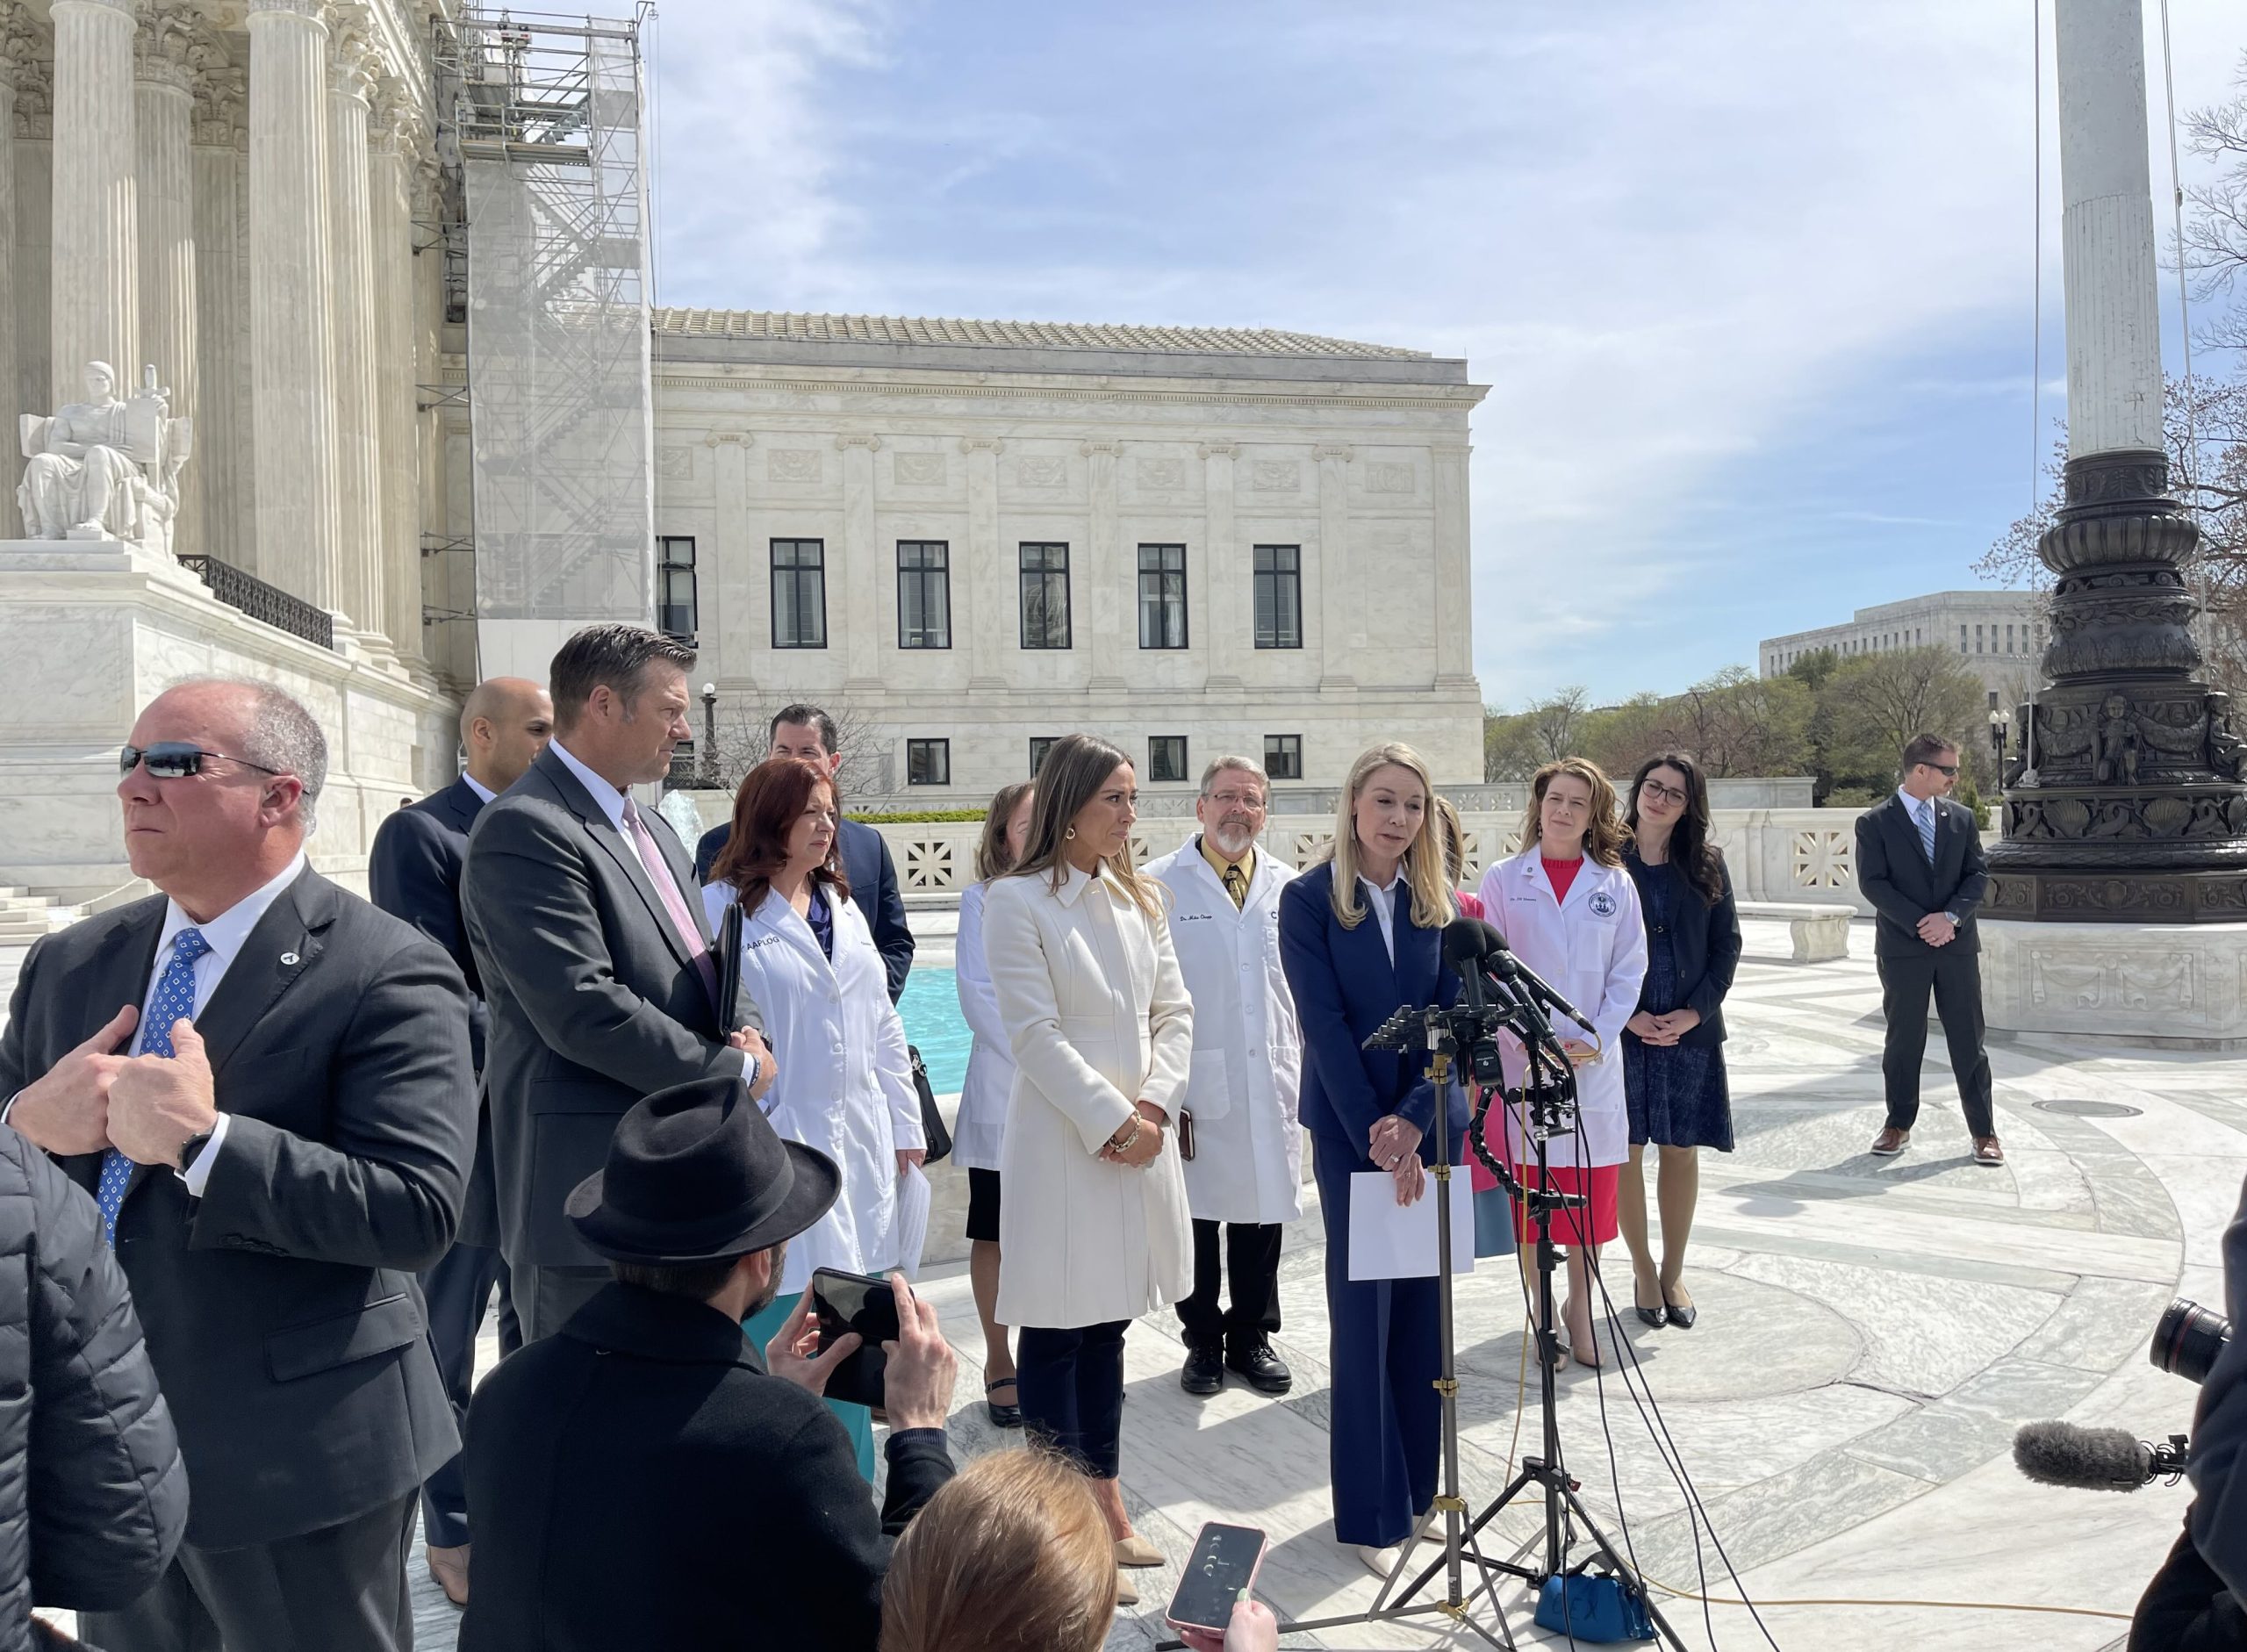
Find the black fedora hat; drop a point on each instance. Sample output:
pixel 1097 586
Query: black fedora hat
pixel 696 1173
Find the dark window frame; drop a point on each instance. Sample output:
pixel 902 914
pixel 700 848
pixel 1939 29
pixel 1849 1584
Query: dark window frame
pixel 1269 584
pixel 1051 574
pixel 795 575
pixel 1165 600
pixel 927 577
pixel 668 566
pixel 923 750
pixel 1039 745
pixel 1283 756
pixel 1156 775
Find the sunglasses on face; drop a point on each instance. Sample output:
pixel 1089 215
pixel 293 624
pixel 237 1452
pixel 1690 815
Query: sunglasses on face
pixel 176 759
pixel 1667 794
pixel 1948 771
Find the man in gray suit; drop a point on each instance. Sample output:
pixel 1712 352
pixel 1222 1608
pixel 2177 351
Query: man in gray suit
pixel 589 934
pixel 264 1083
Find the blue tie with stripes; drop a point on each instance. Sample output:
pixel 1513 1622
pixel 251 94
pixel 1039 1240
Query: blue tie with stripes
pixel 173 999
pixel 1926 814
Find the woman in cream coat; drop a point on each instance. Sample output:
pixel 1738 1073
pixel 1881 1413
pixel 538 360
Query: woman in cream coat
pixel 1093 1230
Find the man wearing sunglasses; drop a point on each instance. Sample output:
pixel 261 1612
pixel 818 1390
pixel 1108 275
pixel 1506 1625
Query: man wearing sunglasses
pixel 264 1084
pixel 1920 863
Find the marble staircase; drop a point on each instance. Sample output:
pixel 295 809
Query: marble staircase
pixel 25 916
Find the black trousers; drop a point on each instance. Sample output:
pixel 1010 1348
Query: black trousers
pixel 1253 1258
pixel 545 1297
pixel 1071 1385
pixel 458 1290
pixel 1954 978
pixel 2187 1608
pixel 342 1588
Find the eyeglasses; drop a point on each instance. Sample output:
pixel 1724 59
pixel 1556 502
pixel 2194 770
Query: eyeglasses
pixel 176 759
pixel 1667 794
pixel 1948 771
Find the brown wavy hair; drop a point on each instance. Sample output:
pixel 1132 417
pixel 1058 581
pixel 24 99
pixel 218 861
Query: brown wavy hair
pixel 992 856
pixel 1012 1555
pixel 1076 766
pixel 1690 848
pixel 1603 838
pixel 773 798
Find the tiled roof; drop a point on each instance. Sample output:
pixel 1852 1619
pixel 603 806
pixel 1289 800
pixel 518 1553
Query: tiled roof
pixel 1049 335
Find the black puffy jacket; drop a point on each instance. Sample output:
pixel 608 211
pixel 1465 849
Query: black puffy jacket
pixel 93 1496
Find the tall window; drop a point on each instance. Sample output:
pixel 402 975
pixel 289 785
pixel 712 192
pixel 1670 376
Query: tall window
pixel 1162 596
pixel 1167 757
pixel 798 594
pixel 1283 756
pixel 927 762
pixel 1279 596
pixel 675 607
pixel 1045 599
pixel 1039 745
pixel 1962 639
pixel 1977 639
pixel 923 594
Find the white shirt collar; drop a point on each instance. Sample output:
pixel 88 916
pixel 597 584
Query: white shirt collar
pixel 610 800
pixel 225 934
pixel 1915 804
pixel 1389 888
pixel 1075 883
pixel 483 793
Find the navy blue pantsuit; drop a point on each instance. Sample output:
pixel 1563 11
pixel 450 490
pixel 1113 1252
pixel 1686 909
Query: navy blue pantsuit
pixel 1384 1347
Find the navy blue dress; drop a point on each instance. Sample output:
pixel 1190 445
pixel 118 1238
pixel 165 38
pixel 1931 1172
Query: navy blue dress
pixel 1676 1094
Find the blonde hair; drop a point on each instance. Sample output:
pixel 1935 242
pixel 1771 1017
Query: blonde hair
pixel 991 855
pixel 1604 838
pixel 1012 1555
pixel 1076 766
pixel 1454 841
pixel 1432 906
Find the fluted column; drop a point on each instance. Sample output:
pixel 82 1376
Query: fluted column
pixel 16 44
pixel 216 500
pixel 163 108
pixel 33 182
pixel 96 314
pixel 292 350
pixel 398 443
pixel 358 490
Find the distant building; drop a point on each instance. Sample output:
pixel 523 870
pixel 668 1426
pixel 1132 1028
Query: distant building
pixel 1999 635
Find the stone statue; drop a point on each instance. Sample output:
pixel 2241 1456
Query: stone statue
pixel 104 469
pixel 2227 753
pixel 2118 744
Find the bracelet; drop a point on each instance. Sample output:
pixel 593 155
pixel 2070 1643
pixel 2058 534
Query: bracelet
pixel 1138 1123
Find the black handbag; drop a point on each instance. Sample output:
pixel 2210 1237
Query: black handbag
pixel 932 1122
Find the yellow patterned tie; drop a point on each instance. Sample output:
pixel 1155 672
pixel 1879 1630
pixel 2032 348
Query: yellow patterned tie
pixel 1236 883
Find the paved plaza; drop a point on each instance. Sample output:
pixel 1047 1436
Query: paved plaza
pixel 1872 1332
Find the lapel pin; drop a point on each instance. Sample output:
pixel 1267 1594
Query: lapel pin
pixel 289 958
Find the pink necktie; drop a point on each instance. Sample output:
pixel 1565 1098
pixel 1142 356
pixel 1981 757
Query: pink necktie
pixel 659 871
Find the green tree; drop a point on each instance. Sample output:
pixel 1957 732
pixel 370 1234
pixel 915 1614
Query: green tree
pixel 1813 668
pixel 1509 745
pixel 1873 704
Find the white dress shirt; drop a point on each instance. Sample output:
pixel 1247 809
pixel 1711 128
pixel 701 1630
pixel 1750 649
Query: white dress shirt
pixel 1383 900
pixel 225 935
pixel 1921 809
pixel 483 793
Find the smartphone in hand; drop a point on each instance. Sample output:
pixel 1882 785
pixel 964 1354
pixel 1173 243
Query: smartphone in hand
pixel 844 1302
pixel 1223 1565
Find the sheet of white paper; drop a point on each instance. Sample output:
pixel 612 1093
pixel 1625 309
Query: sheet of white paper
pixel 1388 1241
pixel 913 1199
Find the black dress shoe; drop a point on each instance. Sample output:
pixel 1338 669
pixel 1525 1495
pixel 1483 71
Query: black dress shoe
pixel 1204 1373
pixel 1263 1370
pixel 1001 1415
pixel 1656 1317
pixel 1681 1314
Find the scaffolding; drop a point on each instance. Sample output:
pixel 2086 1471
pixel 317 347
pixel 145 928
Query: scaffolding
pixel 546 260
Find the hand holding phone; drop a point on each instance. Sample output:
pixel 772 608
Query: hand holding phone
pixel 1218 1577
pixel 860 1305
pixel 1253 1629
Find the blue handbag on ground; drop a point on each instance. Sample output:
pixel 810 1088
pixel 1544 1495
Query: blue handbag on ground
pixel 1593 1609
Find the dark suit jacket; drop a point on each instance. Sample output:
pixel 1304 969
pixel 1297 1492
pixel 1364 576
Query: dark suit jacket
pixel 280 1307
pixel 1892 870
pixel 413 872
pixel 640 1480
pixel 1703 945
pixel 1344 987
pixel 595 1001
pixel 873 877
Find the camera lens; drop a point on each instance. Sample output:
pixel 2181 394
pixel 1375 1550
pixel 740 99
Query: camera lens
pixel 2189 1338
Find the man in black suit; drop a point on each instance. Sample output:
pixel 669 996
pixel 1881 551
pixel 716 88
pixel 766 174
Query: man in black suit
pixel 413 872
pixel 265 1084
pixel 593 953
pixel 1920 863
pixel 810 733
pixel 646 1478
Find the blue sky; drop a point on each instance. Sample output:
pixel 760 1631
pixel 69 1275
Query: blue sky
pixel 1750 281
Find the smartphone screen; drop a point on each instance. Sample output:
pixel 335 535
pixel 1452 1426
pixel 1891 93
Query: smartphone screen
pixel 1223 1563
pixel 854 1302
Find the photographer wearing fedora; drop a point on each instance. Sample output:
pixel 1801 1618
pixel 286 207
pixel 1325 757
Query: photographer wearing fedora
pixel 646 1477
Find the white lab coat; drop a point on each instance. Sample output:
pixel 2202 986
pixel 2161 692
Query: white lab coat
pixel 846 1082
pixel 980 1130
pixel 1098 1017
pixel 1248 1163
pixel 1592 951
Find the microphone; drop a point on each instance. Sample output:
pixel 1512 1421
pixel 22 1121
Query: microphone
pixel 2093 1459
pixel 1463 949
pixel 1508 967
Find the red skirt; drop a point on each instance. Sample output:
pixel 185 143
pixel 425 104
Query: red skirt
pixel 1600 1183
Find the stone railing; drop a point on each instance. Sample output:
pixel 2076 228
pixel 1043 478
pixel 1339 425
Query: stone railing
pixel 262 601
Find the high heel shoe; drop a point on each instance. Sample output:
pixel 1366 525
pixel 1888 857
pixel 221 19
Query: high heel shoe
pixel 1656 1317
pixel 1136 1551
pixel 1681 1314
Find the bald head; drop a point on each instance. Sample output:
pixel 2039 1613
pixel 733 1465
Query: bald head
pixel 505 722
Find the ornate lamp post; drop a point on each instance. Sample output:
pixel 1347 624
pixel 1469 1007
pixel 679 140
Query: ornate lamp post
pixel 709 764
pixel 2000 721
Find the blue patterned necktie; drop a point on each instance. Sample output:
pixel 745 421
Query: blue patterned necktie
pixel 173 999
pixel 1926 815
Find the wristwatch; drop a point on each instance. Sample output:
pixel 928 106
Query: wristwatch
pixel 1953 916
pixel 192 1147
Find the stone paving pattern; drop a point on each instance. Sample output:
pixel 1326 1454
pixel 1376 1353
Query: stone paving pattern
pixel 1872 1331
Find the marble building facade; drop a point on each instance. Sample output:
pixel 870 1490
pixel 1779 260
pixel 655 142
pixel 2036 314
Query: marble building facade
pixel 978 535
pixel 1999 637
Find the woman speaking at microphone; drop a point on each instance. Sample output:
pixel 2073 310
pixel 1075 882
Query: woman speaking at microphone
pixel 1360 937
pixel 1570 912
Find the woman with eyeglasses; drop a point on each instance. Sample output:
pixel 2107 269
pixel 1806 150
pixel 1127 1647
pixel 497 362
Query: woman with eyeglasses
pixel 1673 1044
